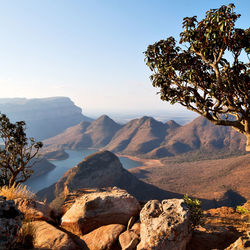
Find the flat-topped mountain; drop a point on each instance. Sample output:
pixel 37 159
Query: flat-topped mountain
pixel 45 117
pixel 103 169
pixel 84 135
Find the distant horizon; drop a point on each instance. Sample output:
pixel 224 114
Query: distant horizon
pixel 181 116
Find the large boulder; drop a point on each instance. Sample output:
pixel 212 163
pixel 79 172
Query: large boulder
pixel 90 211
pixel 103 238
pixel 48 237
pixel 165 225
pixel 10 223
pixel 33 210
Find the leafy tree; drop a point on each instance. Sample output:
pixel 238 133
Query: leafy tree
pixel 17 152
pixel 199 76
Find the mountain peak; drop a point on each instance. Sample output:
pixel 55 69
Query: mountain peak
pixel 172 124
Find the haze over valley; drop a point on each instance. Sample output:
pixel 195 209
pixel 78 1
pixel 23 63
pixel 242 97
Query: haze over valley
pixel 171 157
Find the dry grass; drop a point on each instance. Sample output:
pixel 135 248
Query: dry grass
pixel 20 191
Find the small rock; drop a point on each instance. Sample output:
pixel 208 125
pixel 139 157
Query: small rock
pixel 103 238
pixel 165 225
pixel 136 228
pixel 49 237
pixel 93 210
pixel 129 240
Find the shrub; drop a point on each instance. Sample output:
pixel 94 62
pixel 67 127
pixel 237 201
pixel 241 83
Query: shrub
pixel 195 209
pixel 14 192
pixel 242 210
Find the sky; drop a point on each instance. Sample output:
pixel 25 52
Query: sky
pixel 91 50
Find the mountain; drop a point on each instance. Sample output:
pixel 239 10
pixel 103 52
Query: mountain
pixel 149 138
pixel 44 117
pixel 86 135
pixel 201 135
pixel 103 169
pixel 139 136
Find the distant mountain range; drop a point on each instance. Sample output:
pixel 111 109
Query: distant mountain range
pixel 44 117
pixel 150 138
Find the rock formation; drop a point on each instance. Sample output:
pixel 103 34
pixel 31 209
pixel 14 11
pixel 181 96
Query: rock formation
pixel 10 223
pixel 165 225
pixel 90 211
pixel 102 169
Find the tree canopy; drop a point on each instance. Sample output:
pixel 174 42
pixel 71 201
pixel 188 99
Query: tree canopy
pixel 205 72
pixel 17 152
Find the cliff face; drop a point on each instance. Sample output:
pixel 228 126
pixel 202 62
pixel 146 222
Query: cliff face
pixel 45 117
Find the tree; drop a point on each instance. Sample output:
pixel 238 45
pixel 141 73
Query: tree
pixel 198 73
pixel 17 152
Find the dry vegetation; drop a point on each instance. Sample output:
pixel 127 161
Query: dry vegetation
pixel 20 191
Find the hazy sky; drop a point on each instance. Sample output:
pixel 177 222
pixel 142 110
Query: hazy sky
pixel 91 50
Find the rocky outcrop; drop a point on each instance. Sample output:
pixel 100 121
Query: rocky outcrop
pixel 48 237
pixel 165 225
pixel 10 223
pixel 33 210
pixel 103 169
pixel 104 238
pixel 114 206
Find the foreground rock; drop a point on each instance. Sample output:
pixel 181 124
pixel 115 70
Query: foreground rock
pixel 165 225
pixel 48 237
pixel 129 240
pixel 10 223
pixel 33 210
pixel 114 206
pixel 104 238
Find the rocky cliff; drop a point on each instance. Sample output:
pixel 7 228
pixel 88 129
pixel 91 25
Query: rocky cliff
pixel 45 117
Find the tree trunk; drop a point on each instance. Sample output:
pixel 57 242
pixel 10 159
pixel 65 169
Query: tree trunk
pixel 248 143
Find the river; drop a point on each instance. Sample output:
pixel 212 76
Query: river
pixel 62 166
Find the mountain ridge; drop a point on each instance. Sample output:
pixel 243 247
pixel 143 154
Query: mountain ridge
pixel 147 137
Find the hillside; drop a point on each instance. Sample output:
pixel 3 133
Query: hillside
pixel 226 181
pixel 103 169
pixel 45 117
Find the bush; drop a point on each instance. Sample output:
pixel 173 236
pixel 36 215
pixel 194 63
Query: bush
pixel 14 192
pixel 195 209
pixel 242 210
